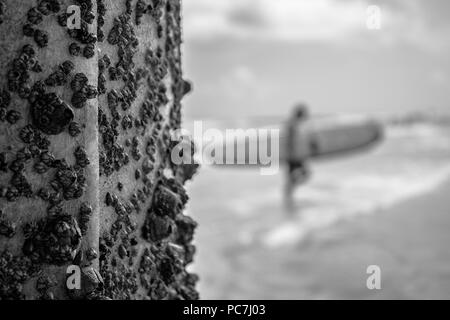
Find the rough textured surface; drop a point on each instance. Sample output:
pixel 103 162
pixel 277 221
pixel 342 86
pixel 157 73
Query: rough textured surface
pixel 85 123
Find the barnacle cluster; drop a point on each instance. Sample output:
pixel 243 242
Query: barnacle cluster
pixel 83 35
pixel 14 271
pixel 50 114
pixel 7 227
pixel 82 90
pixel 35 16
pixel 53 240
pixel 19 73
pixel 2 11
pixel 60 76
pixel 101 11
pixel 138 102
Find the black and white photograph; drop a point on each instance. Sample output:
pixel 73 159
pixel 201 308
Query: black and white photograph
pixel 224 150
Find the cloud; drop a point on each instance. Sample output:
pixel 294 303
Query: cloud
pixel 241 82
pixel 423 23
pixel 269 19
pixel 439 78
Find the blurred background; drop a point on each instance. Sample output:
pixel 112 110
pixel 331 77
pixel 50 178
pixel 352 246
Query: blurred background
pixel 250 62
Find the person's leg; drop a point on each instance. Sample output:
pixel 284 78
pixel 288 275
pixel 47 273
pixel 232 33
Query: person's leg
pixel 301 174
pixel 289 188
pixel 297 174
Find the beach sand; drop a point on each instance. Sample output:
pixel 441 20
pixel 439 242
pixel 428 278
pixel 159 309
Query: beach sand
pixel 408 241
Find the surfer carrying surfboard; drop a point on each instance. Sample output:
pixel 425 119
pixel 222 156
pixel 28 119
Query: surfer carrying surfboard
pixel 297 139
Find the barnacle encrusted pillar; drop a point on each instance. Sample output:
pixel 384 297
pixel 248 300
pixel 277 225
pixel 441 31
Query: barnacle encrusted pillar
pixel 86 117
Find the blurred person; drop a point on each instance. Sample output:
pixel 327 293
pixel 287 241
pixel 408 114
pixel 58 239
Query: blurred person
pixel 297 169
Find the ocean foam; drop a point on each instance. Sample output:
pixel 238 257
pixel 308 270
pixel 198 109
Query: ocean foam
pixel 358 195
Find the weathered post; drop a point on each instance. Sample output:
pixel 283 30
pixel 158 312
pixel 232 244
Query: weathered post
pixel 86 182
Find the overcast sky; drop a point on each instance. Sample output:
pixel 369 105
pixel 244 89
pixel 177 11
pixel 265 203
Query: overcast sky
pixel 258 57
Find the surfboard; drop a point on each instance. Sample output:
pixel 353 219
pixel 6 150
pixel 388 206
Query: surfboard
pixel 316 138
pixel 332 136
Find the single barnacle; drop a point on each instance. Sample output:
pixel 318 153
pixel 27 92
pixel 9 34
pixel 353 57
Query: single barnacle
pixel 187 87
pixel 150 149
pixel 147 166
pixel 102 64
pixel 79 257
pixel 101 84
pixel 15 73
pixel 89 17
pixel 26 134
pixel 57 78
pixel 114 200
pixel 113 74
pixel 40 167
pixel 54 6
pixel 127 123
pixel 89 51
pixel 13 116
pixel 122 251
pixel 84 216
pixel 62 19
pixel 5 99
pixel 28 50
pixel 28 30
pixel 186 227
pixel 44 7
pixel 47 160
pixel 44 194
pixel 108 199
pixel 2 114
pixel 36 67
pixel 114 34
pixel 34 16
pixel 100 34
pixel 3 162
pixel 74 49
pixel 90 91
pixel 12 194
pixel 74 129
pixel 24 91
pixel 166 202
pixel 67 67
pixel 23 154
pixel 81 157
pixel 79 99
pixel 157 228
pixel 41 38
pixel 79 81
pixel 106 60
pixel 137 174
pixel 91 254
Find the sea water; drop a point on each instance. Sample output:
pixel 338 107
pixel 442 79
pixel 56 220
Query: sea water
pixel 239 209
